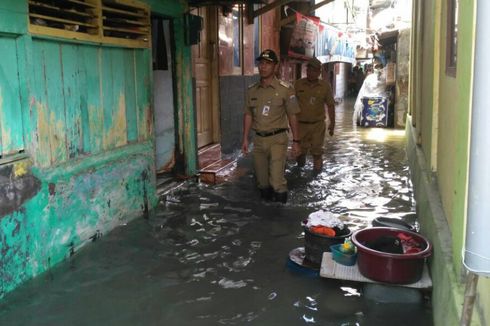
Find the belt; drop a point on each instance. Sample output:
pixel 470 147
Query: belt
pixel 309 122
pixel 270 133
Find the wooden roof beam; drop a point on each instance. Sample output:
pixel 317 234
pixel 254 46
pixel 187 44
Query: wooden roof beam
pixel 290 19
pixel 251 13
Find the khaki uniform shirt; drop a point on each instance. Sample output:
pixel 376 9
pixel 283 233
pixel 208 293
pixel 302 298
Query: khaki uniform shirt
pixel 312 98
pixel 270 105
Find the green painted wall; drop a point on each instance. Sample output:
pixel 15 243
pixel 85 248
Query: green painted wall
pixel 11 130
pixel 439 163
pixel 447 293
pixel 83 114
pixel 13 16
pixel 461 109
pixel 74 205
pixel 86 100
pixel 483 300
pixel 426 80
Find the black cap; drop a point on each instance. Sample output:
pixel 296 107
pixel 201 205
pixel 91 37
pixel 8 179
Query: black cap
pixel 315 63
pixel 268 55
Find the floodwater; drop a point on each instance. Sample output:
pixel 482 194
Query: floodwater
pixel 218 255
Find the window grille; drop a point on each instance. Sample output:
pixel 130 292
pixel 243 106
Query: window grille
pixel 118 22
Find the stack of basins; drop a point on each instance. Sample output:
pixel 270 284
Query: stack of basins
pixel 322 230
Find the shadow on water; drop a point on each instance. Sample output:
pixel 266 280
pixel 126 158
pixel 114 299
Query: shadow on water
pixel 217 255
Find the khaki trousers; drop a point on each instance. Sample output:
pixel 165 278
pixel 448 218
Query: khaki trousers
pixel 269 155
pixel 312 137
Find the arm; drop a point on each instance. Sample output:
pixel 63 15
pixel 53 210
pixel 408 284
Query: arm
pixel 247 124
pixel 331 118
pixel 330 103
pixel 293 124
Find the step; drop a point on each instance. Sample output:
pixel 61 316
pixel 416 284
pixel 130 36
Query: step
pixel 217 171
pixel 166 182
pixel 209 155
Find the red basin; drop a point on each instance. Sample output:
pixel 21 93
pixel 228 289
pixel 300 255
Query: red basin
pixel 387 267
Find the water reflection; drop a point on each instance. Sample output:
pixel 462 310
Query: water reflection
pixel 217 255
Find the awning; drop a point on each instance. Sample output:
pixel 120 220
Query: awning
pixel 203 3
pixel 251 12
pixel 387 38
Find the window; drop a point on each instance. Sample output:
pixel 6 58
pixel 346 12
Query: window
pixel 452 37
pixel 236 37
pixel 257 30
pixel 125 21
pixel 256 37
pixel 239 42
pixel 119 22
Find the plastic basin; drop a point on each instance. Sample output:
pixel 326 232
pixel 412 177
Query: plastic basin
pixel 387 267
pixel 393 223
pixel 347 259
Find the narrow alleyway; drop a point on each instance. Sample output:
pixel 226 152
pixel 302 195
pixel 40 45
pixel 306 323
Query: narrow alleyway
pixel 217 255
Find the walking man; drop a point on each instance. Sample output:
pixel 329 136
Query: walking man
pixel 313 94
pixel 270 105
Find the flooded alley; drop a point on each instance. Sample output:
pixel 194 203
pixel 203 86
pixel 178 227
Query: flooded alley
pixel 218 255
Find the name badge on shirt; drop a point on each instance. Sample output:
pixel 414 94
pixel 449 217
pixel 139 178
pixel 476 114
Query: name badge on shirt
pixel 265 110
pixel 312 100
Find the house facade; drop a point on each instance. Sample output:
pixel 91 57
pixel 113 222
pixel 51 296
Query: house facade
pixel 97 97
pixel 438 145
pixel 77 140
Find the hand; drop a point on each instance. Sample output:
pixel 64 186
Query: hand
pixel 296 149
pixel 330 129
pixel 245 147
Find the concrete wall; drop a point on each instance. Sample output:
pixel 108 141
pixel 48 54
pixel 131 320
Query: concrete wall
pixel 341 80
pixel 438 136
pixel 447 292
pixel 232 101
pixel 87 153
pixel 402 77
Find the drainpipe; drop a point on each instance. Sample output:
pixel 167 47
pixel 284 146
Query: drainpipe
pixel 476 254
pixel 477 244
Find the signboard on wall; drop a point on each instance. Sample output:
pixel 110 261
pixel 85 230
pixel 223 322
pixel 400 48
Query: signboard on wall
pixel 334 46
pixel 303 39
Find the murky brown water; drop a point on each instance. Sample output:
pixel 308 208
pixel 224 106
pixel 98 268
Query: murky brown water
pixel 217 255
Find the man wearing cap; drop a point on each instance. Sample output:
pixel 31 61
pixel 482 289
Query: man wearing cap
pixel 270 105
pixel 313 94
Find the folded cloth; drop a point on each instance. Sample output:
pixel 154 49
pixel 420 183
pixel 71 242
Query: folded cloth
pixel 323 218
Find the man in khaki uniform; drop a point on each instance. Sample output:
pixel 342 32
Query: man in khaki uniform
pixel 313 94
pixel 269 105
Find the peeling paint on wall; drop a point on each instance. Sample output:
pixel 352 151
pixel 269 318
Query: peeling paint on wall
pixel 88 131
pixel 21 168
pixel 4 134
pixel 147 123
pixel 5 131
pixel 50 136
pixel 17 185
pixel 11 129
pixel 43 156
pixel 117 133
pixel 70 208
pixel 96 122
